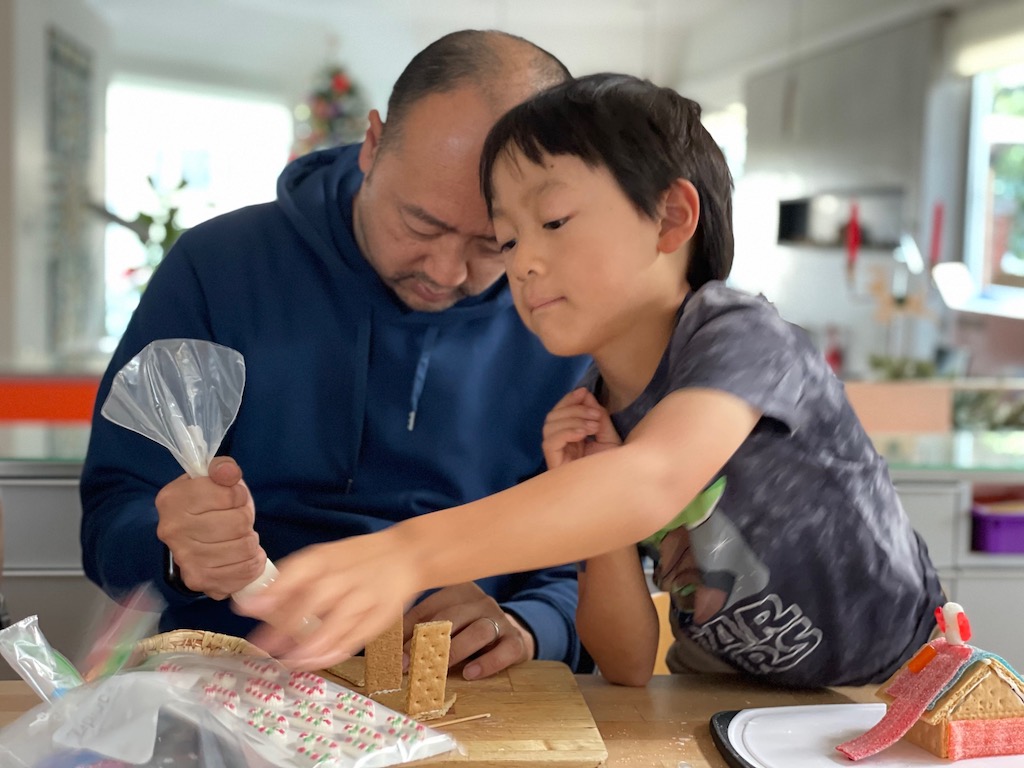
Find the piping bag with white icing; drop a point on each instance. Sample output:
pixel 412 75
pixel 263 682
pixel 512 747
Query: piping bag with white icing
pixel 182 394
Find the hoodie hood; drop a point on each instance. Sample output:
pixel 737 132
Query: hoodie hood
pixel 314 189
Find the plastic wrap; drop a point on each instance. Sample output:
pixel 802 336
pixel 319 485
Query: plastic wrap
pixel 215 712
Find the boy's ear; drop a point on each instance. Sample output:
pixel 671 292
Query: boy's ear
pixel 680 212
pixel 371 144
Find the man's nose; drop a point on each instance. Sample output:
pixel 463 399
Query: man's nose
pixel 446 265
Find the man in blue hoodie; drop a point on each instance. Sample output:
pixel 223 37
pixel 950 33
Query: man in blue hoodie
pixel 387 372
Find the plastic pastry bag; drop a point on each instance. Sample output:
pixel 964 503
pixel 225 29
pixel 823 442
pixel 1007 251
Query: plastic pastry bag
pixel 181 393
pixel 216 712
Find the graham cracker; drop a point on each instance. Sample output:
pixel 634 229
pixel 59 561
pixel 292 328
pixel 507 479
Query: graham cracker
pixel 352 670
pixel 931 737
pixel 428 671
pixel 384 660
pixel 994 696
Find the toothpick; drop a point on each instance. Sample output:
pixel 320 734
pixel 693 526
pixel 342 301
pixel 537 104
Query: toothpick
pixel 466 719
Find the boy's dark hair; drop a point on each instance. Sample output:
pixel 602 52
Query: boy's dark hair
pixel 484 58
pixel 647 137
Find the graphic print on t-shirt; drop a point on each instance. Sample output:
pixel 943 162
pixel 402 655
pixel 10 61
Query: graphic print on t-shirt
pixel 717 581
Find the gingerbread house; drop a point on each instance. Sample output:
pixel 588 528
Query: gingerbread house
pixel 952 699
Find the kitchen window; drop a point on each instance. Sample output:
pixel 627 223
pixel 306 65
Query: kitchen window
pixel 181 150
pixel 994 245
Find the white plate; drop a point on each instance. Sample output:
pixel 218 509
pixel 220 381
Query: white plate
pixel 806 737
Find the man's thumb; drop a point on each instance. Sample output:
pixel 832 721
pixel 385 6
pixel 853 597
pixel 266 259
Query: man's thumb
pixel 225 471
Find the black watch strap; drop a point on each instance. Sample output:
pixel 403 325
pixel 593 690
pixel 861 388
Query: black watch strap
pixel 172 577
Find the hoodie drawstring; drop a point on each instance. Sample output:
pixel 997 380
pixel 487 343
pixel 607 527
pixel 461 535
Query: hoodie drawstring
pixel 421 373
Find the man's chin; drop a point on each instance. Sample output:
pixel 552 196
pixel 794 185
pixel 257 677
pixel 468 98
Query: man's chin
pixel 425 300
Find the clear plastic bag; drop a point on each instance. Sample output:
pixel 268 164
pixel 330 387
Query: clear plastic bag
pixel 216 712
pixel 181 393
pixel 46 670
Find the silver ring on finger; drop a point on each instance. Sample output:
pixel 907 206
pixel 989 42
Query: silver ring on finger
pixel 497 629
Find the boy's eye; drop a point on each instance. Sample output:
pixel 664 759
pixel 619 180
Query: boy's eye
pixel 508 245
pixel 556 224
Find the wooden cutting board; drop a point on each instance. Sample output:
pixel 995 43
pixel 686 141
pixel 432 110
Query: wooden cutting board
pixel 537 717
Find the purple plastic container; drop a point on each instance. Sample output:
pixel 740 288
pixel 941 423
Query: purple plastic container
pixel 997 531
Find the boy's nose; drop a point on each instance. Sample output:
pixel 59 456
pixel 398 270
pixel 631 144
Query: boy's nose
pixel 525 261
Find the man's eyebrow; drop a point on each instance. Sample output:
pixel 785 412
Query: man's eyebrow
pixel 417 212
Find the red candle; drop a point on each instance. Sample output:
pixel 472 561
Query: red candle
pixel 935 247
pixel 852 239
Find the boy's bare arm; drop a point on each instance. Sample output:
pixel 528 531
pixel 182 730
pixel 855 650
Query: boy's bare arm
pixel 570 513
pixel 576 511
pixel 616 619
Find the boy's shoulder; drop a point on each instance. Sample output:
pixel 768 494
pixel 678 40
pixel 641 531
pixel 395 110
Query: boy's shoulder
pixel 726 309
pixel 716 297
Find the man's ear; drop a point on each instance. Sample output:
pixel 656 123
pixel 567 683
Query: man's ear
pixel 680 212
pixel 371 144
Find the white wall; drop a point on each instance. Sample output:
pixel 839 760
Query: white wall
pixel 24 295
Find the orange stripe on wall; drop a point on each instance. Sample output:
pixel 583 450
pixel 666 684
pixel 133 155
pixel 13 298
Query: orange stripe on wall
pixel 47 399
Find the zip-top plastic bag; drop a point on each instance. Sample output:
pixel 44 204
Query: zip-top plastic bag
pixel 215 712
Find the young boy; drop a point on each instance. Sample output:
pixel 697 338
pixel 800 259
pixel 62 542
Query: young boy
pixel 730 451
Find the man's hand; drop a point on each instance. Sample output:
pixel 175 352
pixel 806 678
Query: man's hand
pixel 576 427
pixel 207 523
pixel 479 626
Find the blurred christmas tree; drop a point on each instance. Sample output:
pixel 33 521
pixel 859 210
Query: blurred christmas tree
pixel 334 113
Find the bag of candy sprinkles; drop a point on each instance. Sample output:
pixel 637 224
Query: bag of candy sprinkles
pixel 215 712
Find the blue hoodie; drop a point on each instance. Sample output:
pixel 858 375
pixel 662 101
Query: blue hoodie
pixel 357 411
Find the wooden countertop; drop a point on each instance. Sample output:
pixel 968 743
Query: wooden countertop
pixel 664 725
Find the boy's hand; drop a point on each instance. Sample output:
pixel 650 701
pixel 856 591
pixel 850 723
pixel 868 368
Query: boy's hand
pixel 575 419
pixel 329 600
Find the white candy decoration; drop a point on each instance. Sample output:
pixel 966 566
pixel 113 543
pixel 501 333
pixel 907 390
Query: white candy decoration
pixel 308 684
pixel 225 697
pixel 268 669
pixel 225 679
pixel 316 746
pixel 265 691
pixel 953 622
pixel 269 723
pixel 365 731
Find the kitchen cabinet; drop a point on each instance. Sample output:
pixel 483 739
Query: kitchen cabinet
pixel 847 118
pixel 936 475
pixel 42 563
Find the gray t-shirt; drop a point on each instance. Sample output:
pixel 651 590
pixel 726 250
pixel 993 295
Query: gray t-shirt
pixel 797 563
